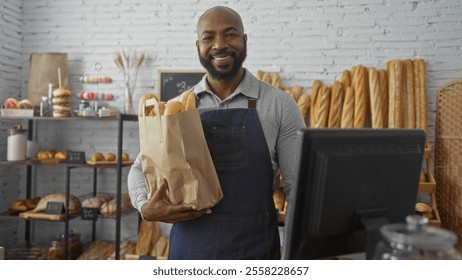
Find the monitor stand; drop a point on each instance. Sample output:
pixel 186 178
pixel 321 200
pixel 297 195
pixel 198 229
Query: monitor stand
pixel 372 227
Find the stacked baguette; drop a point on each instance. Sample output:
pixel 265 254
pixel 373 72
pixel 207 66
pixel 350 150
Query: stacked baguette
pixel 395 97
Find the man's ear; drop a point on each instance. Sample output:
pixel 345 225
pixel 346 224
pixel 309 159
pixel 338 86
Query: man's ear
pixel 245 38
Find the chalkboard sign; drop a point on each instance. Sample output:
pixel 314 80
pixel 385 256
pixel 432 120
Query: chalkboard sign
pixel 54 207
pixel 89 213
pixel 75 157
pixel 174 82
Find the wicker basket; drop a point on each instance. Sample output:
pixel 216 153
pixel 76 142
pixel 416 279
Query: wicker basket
pixel 448 157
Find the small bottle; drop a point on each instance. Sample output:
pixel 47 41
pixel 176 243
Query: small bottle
pixel 50 97
pixel 45 110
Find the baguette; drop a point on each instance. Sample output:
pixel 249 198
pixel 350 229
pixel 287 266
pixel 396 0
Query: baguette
pixel 158 249
pixel 297 92
pixel 383 86
pixel 336 104
pixel 188 99
pixel 348 108
pixel 322 107
pixel 346 78
pixel 420 86
pixel 259 75
pixel 409 99
pixel 266 78
pixel 375 99
pixel 395 95
pixel 147 236
pixel 173 107
pixel 275 80
pixel 359 85
pixel 304 104
pixel 314 93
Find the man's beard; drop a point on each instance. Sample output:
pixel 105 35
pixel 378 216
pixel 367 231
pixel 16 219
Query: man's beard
pixel 217 75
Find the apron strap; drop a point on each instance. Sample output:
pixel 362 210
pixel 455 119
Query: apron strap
pixel 252 103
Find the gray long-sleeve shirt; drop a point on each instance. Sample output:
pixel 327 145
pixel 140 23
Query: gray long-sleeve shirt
pixel 280 118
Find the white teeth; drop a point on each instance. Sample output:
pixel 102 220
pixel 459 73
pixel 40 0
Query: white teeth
pixel 221 58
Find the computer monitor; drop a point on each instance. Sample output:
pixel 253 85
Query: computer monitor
pixel 349 183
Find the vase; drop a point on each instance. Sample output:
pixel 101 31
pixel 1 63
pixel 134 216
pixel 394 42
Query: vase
pixel 128 106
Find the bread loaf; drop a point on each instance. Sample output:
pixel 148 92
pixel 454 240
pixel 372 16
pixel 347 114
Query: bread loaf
pixel 97 157
pixel 98 250
pixel 18 206
pixel 348 108
pixel 322 107
pixel 361 96
pixel 173 107
pixel 31 203
pixel 424 209
pixel 74 202
pixel 141 106
pixel 275 80
pixel 420 86
pixel 259 74
pixel 336 104
pixel 279 197
pixel 188 99
pixel 346 78
pixel 297 92
pixel 395 95
pixel 304 104
pixel 375 99
pixel 314 92
pixel 266 78
pixel 159 248
pixel 96 201
pixel 383 86
pixel 110 157
pixel 148 234
pixel 408 90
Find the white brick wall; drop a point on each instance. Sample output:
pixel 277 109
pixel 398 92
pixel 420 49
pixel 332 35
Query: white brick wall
pixel 304 40
pixel 10 86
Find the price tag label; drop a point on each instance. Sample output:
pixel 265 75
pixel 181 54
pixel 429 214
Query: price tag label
pixel 53 207
pixel 89 213
pixel 75 157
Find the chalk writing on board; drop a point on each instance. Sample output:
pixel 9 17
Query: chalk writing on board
pixel 175 82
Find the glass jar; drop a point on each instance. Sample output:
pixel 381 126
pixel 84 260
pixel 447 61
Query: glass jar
pixel 415 240
pixel 56 250
pixel 17 143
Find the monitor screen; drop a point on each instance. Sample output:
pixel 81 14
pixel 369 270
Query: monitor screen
pixel 350 182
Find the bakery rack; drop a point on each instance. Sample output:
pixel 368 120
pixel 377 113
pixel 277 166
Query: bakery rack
pixel 121 119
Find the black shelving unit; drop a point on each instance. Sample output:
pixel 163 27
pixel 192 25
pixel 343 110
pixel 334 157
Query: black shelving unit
pixel 121 118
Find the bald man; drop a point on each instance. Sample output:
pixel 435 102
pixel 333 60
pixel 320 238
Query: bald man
pixel 251 129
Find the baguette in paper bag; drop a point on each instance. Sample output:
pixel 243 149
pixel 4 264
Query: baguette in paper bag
pixel 173 147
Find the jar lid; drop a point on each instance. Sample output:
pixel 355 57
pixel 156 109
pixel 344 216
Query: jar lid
pixel 416 232
pixel 16 129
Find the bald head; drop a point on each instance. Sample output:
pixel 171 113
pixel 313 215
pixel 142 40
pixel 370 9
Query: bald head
pixel 220 13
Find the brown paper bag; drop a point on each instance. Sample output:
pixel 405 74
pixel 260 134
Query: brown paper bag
pixel 174 147
pixel 43 71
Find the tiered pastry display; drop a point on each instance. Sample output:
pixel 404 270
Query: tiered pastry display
pixel 85 110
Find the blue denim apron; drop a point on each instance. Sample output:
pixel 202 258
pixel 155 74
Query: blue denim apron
pixel 243 225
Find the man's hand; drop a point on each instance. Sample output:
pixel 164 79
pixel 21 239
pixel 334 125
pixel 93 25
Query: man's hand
pixel 159 208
